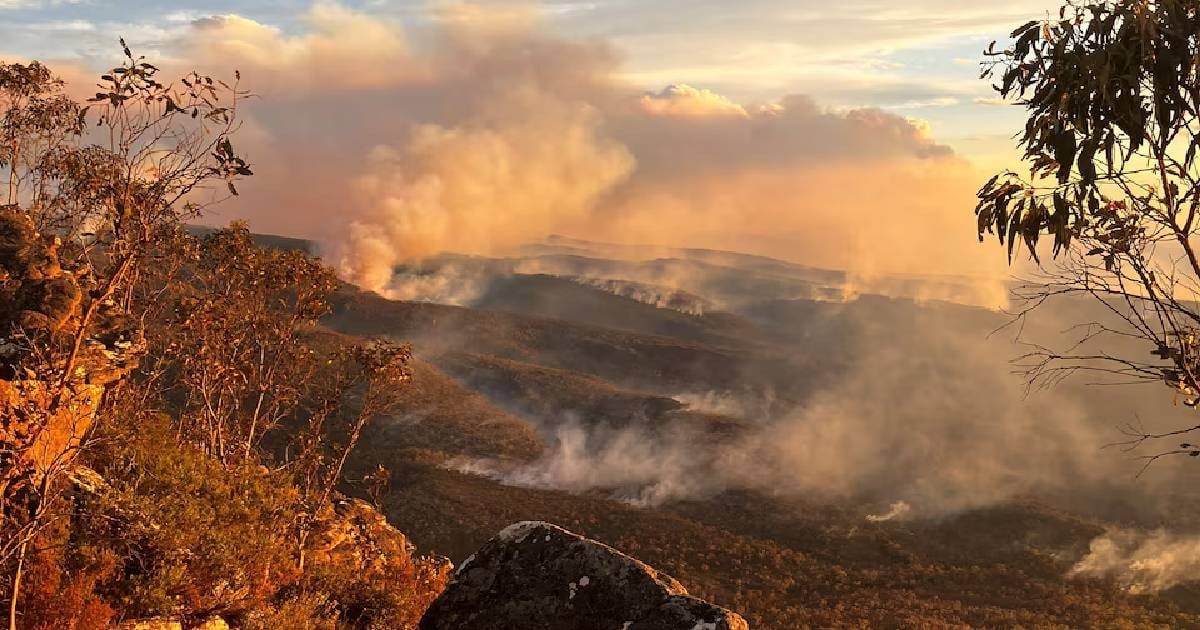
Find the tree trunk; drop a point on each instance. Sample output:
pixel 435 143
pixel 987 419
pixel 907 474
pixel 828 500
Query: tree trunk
pixel 12 173
pixel 16 587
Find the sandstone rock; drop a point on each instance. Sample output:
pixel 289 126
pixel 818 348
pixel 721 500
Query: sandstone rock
pixel 163 623
pixel 537 576
pixel 45 436
pixel 44 414
pixel 212 623
pixel 354 534
pixel 151 624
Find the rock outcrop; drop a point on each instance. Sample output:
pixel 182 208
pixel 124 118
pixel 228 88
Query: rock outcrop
pixel 352 533
pixel 537 576
pixel 44 412
pixel 162 623
pixel 151 624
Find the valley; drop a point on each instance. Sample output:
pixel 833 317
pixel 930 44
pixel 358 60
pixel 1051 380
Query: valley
pixel 708 445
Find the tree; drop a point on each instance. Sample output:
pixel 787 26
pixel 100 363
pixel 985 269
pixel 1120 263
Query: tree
pixel 236 352
pixel 373 374
pixel 233 339
pixel 38 126
pixel 190 373
pixel 1112 93
pixel 85 206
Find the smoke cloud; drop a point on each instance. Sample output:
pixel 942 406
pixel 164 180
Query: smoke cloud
pixel 924 413
pixel 476 129
pixel 630 463
pixel 1142 562
pixel 527 160
pixel 897 510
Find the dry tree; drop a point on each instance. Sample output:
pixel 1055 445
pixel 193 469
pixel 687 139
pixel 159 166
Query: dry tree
pixel 91 189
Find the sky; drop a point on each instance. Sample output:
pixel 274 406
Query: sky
pixel 919 58
pixel 848 134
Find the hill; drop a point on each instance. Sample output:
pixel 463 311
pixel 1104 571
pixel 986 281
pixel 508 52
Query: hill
pixel 535 392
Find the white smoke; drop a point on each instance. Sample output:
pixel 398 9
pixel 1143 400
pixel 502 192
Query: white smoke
pixel 925 410
pixel 632 465
pixel 1142 562
pixel 657 296
pixel 483 130
pixel 449 283
pixel 725 404
pixel 476 127
pixel 897 510
pixel 526 158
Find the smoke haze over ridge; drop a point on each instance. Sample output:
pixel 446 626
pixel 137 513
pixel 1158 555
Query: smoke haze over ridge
pixel 478 129
pixel 926 412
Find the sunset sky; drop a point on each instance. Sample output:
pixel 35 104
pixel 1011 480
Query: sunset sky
pixel 848 134
pixel 918 58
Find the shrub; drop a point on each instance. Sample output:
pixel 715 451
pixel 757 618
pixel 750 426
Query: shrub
pixel 191 534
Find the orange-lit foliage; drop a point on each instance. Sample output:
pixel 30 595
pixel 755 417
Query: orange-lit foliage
pixel 184 512
pixel 59 597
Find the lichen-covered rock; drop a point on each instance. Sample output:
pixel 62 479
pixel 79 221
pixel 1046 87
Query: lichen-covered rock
pixel 40 299
pixel 537 576
pixel 38 295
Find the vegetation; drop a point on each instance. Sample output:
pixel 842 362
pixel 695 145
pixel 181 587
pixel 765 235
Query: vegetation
pixel 780 562
pixel 1112 91
pixel 175 428
pixel 786 566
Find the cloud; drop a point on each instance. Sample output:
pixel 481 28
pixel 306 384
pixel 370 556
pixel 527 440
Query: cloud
pixel 686 101
pixel 34 4
pixel 341 49
pixel 765 43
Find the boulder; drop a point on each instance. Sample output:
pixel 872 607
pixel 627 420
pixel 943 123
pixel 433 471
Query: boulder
pixel 537 576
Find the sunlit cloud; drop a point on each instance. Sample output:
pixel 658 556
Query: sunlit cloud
pixel 394 131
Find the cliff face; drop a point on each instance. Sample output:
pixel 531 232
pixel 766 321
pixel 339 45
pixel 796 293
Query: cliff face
pixel 31 418
pixel 537 576
pixel 44 414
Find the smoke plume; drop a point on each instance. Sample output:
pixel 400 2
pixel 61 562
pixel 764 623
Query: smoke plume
pixel 897 510
pixel 1142 562
pixel 477 129
pixel 924 411
pixel 630 463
